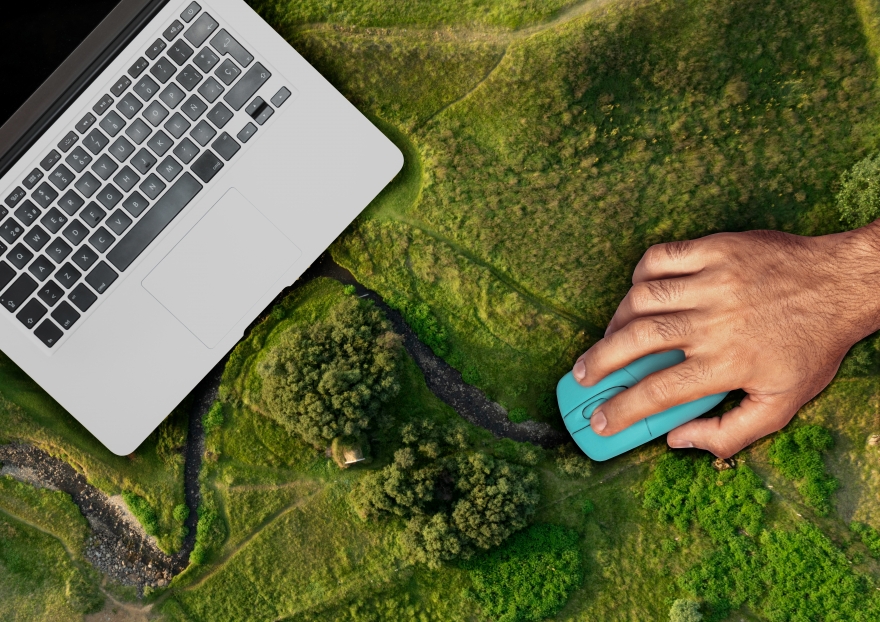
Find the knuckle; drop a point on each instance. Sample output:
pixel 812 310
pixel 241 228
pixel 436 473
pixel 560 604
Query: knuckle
pixel 658 391
pixel 642 332
pixel 673 326
pixel 639 297
pixel 665 290
pixel 654 256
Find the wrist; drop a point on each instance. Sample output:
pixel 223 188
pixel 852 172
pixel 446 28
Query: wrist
pixel 856 273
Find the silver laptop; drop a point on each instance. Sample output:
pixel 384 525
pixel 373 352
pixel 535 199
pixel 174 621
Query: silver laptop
pixel 180 168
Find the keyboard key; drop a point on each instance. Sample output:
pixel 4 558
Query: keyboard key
pixel 101 277
pixel 82 297
pixel 27 213
pixel 177 125
pixel 180 52
pixel 50 160
pixel 85 123
pixel 121 149
pixel 68 141
pixel 101 240
pixel 190 12
pixel 194 107
pixel 169 169
pixel 207 166
pixel 186 151
pixel 95 141
pixel 201 29
pixel 50 293
pixel 154 222
pixel 118 222
pixel 110 196
pixel 41 268
pixel 206 59
pixel 138 131
pixel 281 96
pixel 36 238
pixel 93 214
pixel 227 72
pixel 155 114
pixel 247 86
pixel 152 187
pixel 103 104
pixel 138 68
pixel 155 49
pixel 226 146
pixel 225 44
pixel 104 167
pixel 32 179
pixel 160 143
pixel 126 179
pixel 67 275
pixel 19 256
pixel 146 88
pixel 11 230
pixel 84 257
pixel 6 274
pixel 203 133
pixel 135 204
pixel 48 333
pixel 163 70
pixel 211 89
pixel 58 249
pixel 71 201
pixel 112 123
pixel 15 197
pixel 129 105
pixel 172 95
pixel 54 220
pixel 75 232
pixel 143 161
pixel 246 132
pixel 189 77
pixel 87 185
pixel 18 292
pixel 78 159
pixel 173 30
pixel 31 313
pixel 44 195
pixel 61 177
pixel 264 115
pixel 65 315
pixel 220 115
pixel 255 107
pixel 119 88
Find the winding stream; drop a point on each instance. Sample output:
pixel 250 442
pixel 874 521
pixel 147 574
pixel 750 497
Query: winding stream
pixel 120 549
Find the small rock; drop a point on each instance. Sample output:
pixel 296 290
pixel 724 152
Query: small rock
pixel 874 440
pixel 721 464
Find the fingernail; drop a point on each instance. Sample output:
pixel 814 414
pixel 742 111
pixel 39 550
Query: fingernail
pixel 598 421
pixel 580 370
pixel 677 444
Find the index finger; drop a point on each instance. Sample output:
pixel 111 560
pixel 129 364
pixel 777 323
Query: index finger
pixel 671 259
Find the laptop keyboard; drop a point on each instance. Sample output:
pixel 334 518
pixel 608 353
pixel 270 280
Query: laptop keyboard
pixel 132 163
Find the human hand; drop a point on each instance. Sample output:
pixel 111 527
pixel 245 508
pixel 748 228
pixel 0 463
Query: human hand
pixel 765 311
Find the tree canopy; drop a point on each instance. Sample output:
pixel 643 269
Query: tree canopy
pixel 332 378
pixel 858 200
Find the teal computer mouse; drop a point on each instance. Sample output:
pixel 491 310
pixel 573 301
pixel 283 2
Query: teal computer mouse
pixel 577 403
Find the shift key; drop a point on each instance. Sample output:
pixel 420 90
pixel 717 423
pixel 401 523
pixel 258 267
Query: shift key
pixel 18 292
pixel 247 86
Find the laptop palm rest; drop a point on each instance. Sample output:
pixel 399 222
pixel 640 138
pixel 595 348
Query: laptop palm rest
pixel 221 268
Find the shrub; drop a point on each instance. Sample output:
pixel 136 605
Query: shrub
pixel 181 512
pixel 798 456
pixel 685 610
pixel 530 577
pixel 573 463
pixel 142 511
pixel 423 323
pixel 588 507
pixel 332 378
pixel 518 415
pixel 858 200
pixel 525 454
pixel 870 537
pixel 213 418
pixel 349 290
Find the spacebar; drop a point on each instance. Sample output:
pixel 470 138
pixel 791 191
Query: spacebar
pixel 154 221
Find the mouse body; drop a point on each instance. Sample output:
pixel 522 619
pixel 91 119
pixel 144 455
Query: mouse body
pixel 577 403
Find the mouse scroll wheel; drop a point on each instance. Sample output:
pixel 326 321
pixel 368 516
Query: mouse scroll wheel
pixel 601 398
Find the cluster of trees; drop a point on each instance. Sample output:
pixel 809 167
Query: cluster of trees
pixel 798 456
pixel 332 378
pixel 530 577
pixel 456 501
pixel 424 324
pixel 685 610
pixel 869 536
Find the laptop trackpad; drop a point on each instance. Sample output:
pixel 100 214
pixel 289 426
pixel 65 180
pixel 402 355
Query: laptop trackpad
pixel 220 269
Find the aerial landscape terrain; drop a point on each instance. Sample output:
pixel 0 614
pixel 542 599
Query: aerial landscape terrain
pixel 384 443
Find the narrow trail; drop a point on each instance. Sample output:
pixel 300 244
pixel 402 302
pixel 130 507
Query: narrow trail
pixel 24 521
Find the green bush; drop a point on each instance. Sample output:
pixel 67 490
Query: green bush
pixel 798 456
pixel 588 507
pixel 518 415
pixel 349 290
pixel 142 511
pixel 572 462
pixel 685 610
pixel 858 200
pixel 213 418
pixel 423 323
pixel 870 537
pixel 181 512
pixel 530 577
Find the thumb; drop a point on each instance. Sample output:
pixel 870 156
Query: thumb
pixel 754 418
